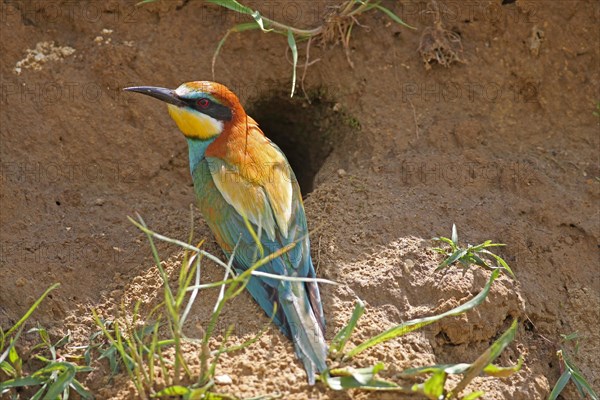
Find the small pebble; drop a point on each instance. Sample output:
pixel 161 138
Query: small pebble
pixel 99 202
pixel 408 265
pixel 341 172
pixel 223 380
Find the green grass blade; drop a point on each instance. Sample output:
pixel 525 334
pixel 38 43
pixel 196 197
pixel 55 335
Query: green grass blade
pixel 349 382
pixel 474 395
pixel 259 20
pixel 8 369
pixel 488 243
pixel 294 48
pixel 38 395
pixel 221 296
pixel 179 243
pixel 78 387
pixel 487 357
pixel 62 382
pixel 503 372
pixel 21 382
pixel 447 368
pixel 475 259
pixel 232 5
pixel 582 385
pixel 175 390
pixel 560 385
pixel 410 326
pixel 63 341
pixel 13 356
pixel 501 262
pixel 454 235
pixel 237 28
pixel 433 387
pixel 446 240
pixel 342 337
pixel 196 260
pixel 254 235
pixel 358 378
pixel 293 278
pixel 570 336
pixel 169 298
pixel 31 309
pixel 254 339
pixel 457 255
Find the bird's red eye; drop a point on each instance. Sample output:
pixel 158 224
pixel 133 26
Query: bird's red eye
pixel 203 103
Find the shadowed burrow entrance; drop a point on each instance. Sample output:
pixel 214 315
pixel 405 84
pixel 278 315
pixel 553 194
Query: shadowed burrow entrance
pixel 304 132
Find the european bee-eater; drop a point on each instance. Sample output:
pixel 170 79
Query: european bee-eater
pixel 238 172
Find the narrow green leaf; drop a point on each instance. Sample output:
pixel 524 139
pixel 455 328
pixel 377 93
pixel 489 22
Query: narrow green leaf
pixel 21 382
pixel 501 262
pixel 233 5
pixel 82 391
pixel 265 397
pixel 457 255
pixel 358 378
pixel 480 246
pixel 487 357
pixel 38 395
pixel 454 235
pixel 393 16
pixel 292 278
pixel 254 235
pixel 348 382
pixel 63 341
pixel 488 243
pixel 255 338
pixel 259 20
pixel 475 259
pixel 582 384
pixel 560 385
pixel 8 369
pixel 142 226
pixel 474 395
pixel 237 28
pixel 571 336
pixel 175 390
pixel 412 325
pixel 13 356
pixel 447 368
pixel 445 240
pixel 434 386
pixel 503 372
pixel 339 341
pixel 62 381
pixel 31 309
pixel 292 44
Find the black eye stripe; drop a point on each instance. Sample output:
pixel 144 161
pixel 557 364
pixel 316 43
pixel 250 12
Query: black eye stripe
pixel 210 108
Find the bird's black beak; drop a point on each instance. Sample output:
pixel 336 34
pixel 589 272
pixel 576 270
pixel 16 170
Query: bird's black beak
pixel 163 94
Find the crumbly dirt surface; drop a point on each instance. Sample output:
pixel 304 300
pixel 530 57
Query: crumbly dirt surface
pixel 505 145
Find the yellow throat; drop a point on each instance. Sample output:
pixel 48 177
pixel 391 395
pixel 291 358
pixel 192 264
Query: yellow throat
pixel 194 124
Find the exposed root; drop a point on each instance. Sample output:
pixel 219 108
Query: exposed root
pixel 438 43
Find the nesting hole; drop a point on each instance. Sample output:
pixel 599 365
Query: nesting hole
pixel 305 132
